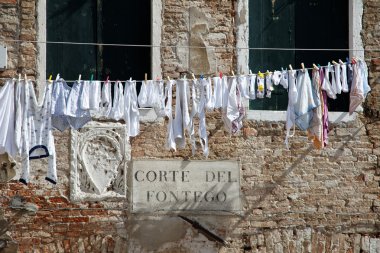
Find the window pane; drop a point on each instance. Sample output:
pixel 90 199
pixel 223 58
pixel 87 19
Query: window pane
pixel 296 24
pixel 71 20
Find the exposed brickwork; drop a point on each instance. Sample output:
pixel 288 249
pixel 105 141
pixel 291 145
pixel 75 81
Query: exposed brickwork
pixel 18 21
pixel 297 200
pixel 371 40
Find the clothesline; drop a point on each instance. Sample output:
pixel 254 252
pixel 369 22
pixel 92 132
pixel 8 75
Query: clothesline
pixel 205 76
pixel 195 47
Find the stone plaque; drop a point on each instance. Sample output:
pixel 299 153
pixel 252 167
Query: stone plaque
pixel 185 186
pixel 99 156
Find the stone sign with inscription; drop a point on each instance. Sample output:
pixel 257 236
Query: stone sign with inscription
pixel 185 186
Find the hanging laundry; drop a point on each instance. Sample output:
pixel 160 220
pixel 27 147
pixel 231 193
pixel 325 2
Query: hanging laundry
pixel 37 137
pixel 117 110
pixel 199 91
pixel 338 83
pixel 91 97
pixel 182 117
pixel 349 75
pixel 260 86
pixel 106 100
pixel 218 92
pixel 269 85
pixel 209 92
pixel 66 106
pixel 343 77
pixel 325 112
pixel 233 116
pixel 326 84
pixel 160 106
pixel 243 86
pixel 306 101
pixel 131 110
pixel 292 100
pixel 170 141
pixel 7 118
pixel 225 92
pixel 360 87
pixel 276 77
pixel 284 79
pixel 315 131
pixel 252 86
pixel 85 96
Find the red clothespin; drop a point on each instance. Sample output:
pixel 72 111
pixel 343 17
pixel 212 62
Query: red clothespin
pixel 220 74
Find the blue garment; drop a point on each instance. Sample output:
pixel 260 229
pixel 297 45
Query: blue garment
pixel 66 109
pixel 307 100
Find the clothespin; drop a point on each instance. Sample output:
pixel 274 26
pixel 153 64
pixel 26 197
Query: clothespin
pixel 146 77
pixel 220 74
pixel 250 72
pixel 92 77
pixel 340 61
pixel 315 67
pixel 201 76
pixel 80 76
pixel 303 67
pixel 290 67
pixel 158 78
pixel 232 72
pixel 268 73
pixel 192 74
pixel 50 77
pixel 261 75
pixel 57 77
pixel 168 78
pixel 334 62
pixel 353 60
pixel 347 60
pixel 108 78
pixel 130 79
pixel 25 77
pixel 184 76
pixel 19 77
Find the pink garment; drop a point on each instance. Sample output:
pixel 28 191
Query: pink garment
pixel 325 113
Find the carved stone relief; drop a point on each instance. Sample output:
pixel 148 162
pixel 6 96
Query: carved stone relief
pixel 7 170
pixel 99 156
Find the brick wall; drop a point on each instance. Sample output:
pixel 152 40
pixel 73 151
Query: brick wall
pixel 371 35
pixel 297 200
pixel 18 22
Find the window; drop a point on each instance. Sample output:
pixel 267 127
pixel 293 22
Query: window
pixel 296 24
pixel 102 21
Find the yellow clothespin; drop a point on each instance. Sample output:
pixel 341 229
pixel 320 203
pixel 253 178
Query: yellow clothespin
pixel 168 78
pixel 261 75
pixel 334 62
pixel 303 66
pixel 50 77
pixel 268 73
pixel 192 74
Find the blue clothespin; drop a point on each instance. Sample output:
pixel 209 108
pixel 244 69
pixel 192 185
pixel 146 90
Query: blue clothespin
pixel 201 76
pixel 347 60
